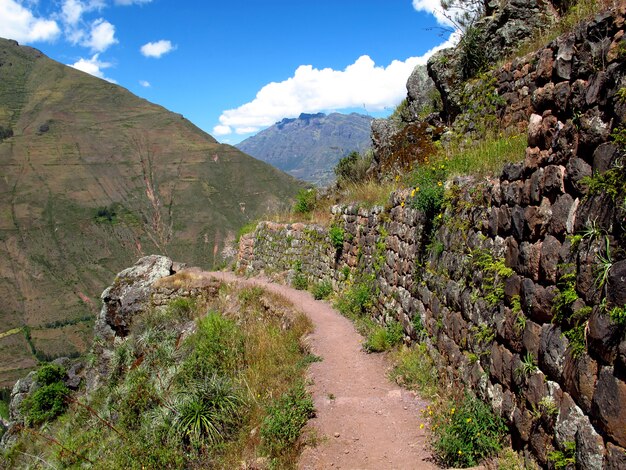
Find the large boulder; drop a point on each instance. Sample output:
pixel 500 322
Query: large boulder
pixel 129 295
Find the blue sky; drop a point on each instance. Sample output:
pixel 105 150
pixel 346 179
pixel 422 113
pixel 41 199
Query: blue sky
pixel 235 67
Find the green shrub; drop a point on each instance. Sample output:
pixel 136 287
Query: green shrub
pixel 473 57
pixel 337 236
pixel 285 418
pixel 305 201
pixel 355 301
pixel 208 412
pixel 428 192
pixel 384 338
pixel 48 374
pixel 216 347
pixel 353 168
pixel 414 368
pixel 618 315
pixel 322 290
pixel 564 459
pixel 466 431
pixel 45 403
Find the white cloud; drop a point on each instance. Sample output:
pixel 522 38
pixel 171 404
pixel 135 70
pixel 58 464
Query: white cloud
pixel 222 130
pixel 19 23
pixel 145 83
pixel 93 67
pixel 72 11
pixel 101 36
pixel 157 49
pixel 449 18
pixel 311 90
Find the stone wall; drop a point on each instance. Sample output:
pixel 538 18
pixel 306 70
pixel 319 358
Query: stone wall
pixel 515 286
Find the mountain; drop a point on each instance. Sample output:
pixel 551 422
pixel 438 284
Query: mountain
pixel 310 146
pixel 93 177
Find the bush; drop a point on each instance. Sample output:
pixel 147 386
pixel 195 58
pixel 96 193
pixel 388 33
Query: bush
pixel 428 192
pixel 216 347
pixel 415 369
pixel 305 201
pixel 473 57
pixel 285 418
pixel 45 403
pixel 337 236
pixel 322 290
pixel 353 168
pixel 355 301
pixel 466 431
pixel 384 338
pixel 49 374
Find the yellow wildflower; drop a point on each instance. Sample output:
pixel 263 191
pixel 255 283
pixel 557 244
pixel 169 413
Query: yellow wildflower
pixel 452 411
pixel 460 452
pixel 422 426
pixel 469 420
pixel 439 183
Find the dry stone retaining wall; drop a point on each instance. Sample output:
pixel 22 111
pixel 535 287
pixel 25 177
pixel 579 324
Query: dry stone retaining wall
pixel 485 285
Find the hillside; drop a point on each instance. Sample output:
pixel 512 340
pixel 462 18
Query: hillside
pixel 93 177
pixel 310 146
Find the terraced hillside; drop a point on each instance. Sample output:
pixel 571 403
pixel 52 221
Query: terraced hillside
pixel 91 178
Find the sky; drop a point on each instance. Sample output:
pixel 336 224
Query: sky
pixel 236 67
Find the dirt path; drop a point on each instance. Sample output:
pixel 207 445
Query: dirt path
pixel 363 420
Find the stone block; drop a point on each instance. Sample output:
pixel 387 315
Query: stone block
pixel 602 336
pixel 609 405
pixel 550 250
pixel 531 337
pixel 615 458
pixel 529 257
pixel 589 447
pixel 553 181
pixel 561 213
pixel 579 379
pixel 552 351
pixel 604 156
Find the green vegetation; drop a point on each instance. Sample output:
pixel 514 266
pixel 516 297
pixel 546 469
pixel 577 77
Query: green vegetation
pixel 465 431
pixel 618 315
pixel 427 195
pixel 353 168
pixel 246 229
pixel 322 290
pixel 384 338
pixel 355 300
pixel 473 56
pixel 528 366
pixel 305 201
pixel 285 418
pixel 175 400
pixel 300 280
pixel 494 272
pixel 564 459
pixel 49 400
pixel 414 368
pixel 337 236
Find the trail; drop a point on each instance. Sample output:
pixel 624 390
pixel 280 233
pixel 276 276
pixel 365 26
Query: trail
pixel 363 421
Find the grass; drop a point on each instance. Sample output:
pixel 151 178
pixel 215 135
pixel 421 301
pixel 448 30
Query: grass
pixel 197 401
pixel 465 431
pixel 414 369
pixel 483 157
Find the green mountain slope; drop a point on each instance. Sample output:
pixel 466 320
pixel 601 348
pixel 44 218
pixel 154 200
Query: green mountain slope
pixel 310 146
pixel 92 178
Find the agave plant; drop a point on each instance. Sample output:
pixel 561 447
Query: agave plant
pixel 206 411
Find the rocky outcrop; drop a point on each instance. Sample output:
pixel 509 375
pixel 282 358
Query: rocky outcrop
pixel 129 295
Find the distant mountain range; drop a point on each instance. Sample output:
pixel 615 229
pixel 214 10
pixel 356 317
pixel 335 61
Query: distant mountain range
pixel 91 178
pixel 310 146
